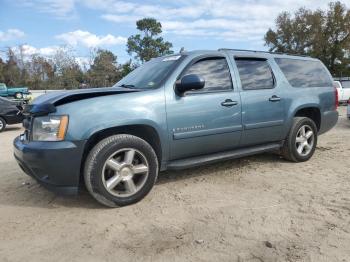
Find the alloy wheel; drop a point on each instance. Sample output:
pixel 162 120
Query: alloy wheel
pixel 125 172
pixel 305 140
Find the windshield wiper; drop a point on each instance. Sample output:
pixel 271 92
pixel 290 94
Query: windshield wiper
pixel 127 86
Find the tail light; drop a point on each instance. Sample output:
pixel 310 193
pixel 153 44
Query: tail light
pixel 336 98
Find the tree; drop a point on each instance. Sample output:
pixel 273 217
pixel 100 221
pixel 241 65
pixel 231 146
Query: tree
pixel 2 71
pixel 67 72
pixel 321 34
pixel 12 73
pixel 126 68
pixel 148 44
pixel 104 69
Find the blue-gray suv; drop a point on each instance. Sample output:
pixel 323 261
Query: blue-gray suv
pixel 176 112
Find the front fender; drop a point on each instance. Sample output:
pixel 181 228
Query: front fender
pixel 88 116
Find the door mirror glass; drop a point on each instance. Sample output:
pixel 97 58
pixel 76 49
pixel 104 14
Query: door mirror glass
pixel 189 82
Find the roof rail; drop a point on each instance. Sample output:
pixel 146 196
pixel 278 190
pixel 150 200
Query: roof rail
pixel 256 51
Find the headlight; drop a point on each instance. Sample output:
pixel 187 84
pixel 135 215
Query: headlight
pixel 50 128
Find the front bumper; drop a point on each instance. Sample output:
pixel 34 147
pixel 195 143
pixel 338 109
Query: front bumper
pixel 55 165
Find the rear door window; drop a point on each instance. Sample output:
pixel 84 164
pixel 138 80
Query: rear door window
pixel 304 73
pixel 255 73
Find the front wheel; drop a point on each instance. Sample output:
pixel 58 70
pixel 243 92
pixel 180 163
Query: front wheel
pixel 18 95
pixel 301 142
pixel 2 124
pixel 120 170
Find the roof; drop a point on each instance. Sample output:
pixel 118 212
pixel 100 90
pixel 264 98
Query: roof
pixel 250 53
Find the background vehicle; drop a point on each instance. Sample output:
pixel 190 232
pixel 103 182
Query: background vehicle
pixel 10 113
pixel 16 92
pixel 176 112
pixel 343 88
pixel 348 110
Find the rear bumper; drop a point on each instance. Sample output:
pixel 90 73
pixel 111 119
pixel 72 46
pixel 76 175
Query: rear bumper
pixel 55 165
pixel 328 120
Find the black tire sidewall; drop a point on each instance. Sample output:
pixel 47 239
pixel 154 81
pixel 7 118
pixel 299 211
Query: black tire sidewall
pixel 297 156
pixel 117 144
pixel 3 124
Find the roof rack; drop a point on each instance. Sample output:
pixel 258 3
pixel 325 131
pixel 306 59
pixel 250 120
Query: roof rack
pixel 256 51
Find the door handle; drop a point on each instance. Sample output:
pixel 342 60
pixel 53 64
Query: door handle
pixel 229 103
pixel 274 98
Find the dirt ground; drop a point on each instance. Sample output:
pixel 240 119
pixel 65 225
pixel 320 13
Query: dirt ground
pixel 259 208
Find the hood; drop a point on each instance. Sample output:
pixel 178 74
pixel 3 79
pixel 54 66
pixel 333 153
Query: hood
pixel 47 103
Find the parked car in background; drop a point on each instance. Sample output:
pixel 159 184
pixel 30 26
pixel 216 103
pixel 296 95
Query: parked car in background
pixel 175 112
pixel 15 92
pixel 10 113
pixel 343 87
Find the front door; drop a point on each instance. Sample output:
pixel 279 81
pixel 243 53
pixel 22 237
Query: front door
pixel 263 111
pixel 208 120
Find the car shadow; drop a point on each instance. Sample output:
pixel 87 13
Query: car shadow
pixel 206 170
pixel 12 128
pixel 30 193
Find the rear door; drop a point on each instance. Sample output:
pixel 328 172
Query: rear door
pixel 263 113
pixel 208 120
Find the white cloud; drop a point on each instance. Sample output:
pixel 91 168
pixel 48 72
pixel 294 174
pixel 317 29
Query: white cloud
pixel 57 8
pixel 88 39
pixel 28 50
pixel 221 19
pixel 11 34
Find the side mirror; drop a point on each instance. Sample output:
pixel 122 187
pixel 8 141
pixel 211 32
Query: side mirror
pixel 189 82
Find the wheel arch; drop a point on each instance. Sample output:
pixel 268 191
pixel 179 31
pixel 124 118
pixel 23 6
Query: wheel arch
pixel 311 111
pixel 143 131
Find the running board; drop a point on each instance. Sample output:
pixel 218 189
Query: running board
pixel 208 159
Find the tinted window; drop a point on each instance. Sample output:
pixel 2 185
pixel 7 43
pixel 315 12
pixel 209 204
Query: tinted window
pixel 215 72
pixel 150 74
pixel 255 74
pixel 304 73
pixel 345 84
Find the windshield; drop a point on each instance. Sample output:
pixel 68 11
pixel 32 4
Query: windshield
pixel 150 74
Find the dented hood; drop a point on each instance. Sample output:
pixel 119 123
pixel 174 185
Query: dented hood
pixel 47 103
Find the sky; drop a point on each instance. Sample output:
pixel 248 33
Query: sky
pixel 42 26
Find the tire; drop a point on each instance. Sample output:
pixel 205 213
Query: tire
pixel 18 95
pixel 2 124
pixel 295 148
pixel 115 170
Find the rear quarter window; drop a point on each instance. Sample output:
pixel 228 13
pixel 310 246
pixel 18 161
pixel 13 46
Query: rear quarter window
pixel 304 73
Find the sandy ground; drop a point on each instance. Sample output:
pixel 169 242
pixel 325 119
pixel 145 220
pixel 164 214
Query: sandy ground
pixel 259 208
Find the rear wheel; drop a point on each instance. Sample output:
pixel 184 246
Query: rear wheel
pixel 301 142
pixel 120 170
pixel 2 124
